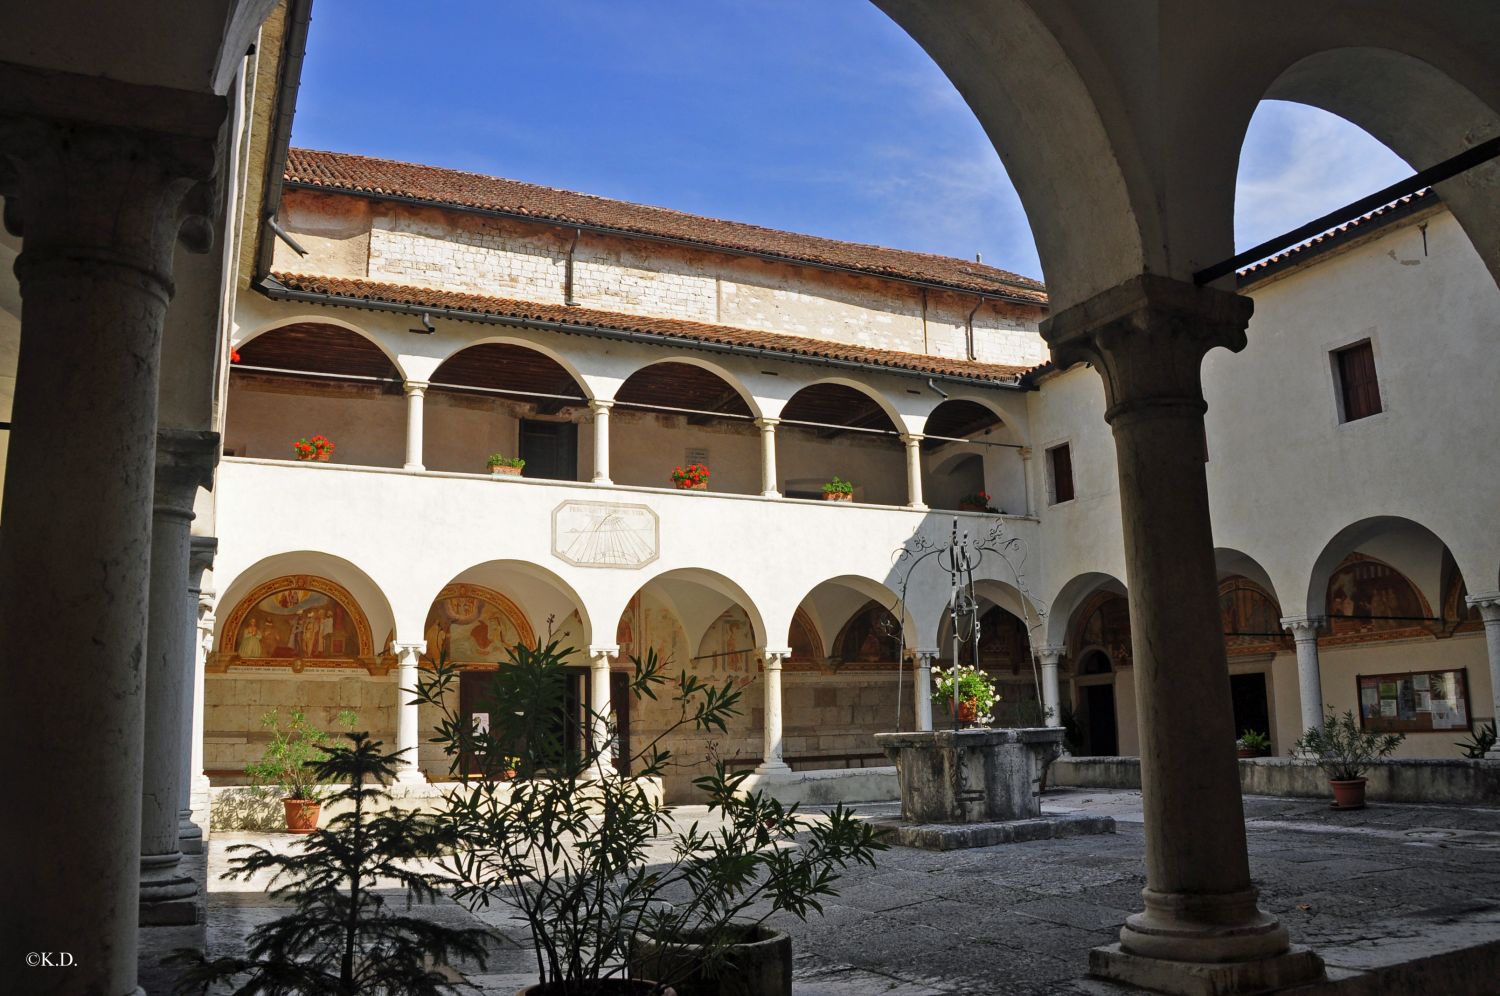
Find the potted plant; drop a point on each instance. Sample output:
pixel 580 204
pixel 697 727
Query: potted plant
pixel 693 477
pixel 503 466
pixel 1344 751
pixel 979 501
pixel 319 447
pixel 589 858
pixel 344 934
pixel 838 489
pixel 976 696
pixel 1253 744
pixel 1480 743
pixel 288 766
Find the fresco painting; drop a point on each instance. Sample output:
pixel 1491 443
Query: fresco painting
pixel 470 624
pixel 1366 596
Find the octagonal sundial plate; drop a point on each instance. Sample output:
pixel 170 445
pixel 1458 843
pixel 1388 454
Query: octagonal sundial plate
pixel 605 534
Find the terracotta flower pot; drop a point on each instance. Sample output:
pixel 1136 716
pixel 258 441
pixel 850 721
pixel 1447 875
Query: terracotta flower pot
pixel 1348 794
pixel 1246 752
pixel 690 486
pixel 325 455
pixel 505 471
pixel 838 496
pixel 968 711
pixel 605 987
pixel 968 506
pixel 302 815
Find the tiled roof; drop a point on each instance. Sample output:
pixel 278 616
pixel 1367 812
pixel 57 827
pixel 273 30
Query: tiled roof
pixel 354 291
pixel 382 177
pixel 1348 229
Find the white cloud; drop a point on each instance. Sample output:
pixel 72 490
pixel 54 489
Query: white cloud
pixel 1298 163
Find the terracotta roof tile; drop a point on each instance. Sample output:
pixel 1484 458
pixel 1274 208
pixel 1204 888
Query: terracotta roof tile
pixel 354 291
pixel 1347 230
pixel 382 177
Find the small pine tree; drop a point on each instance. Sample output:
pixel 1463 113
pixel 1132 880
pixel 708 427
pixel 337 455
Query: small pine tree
pixel 342 939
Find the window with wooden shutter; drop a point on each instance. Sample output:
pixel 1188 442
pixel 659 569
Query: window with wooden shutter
pixel 1361 392
pixel 1061 460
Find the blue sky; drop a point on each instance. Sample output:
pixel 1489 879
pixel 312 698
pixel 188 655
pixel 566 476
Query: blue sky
pixel 814 117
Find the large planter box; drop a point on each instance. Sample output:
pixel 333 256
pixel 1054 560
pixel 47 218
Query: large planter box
pixel 971 776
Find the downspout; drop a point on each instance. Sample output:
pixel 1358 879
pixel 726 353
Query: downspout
pixel 925 347
pixel 568 297
pixel 293 52
pixel 969 325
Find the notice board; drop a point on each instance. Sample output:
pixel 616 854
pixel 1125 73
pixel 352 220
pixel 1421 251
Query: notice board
pixel 1414 701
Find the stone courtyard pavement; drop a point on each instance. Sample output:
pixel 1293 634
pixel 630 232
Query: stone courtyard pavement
pixel 1389 883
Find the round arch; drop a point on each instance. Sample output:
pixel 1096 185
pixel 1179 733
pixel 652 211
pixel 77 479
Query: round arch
pixel 1071 596
pixel 316 319
pixel 531 592
pixel 1417 110
pixel 790 409
pixel 698 596
pixel 557 357
pixel 1406 546
pixel 730 380
pixel 313 565
pixel 831 603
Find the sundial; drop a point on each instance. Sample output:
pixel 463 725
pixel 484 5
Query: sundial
pixel 604 534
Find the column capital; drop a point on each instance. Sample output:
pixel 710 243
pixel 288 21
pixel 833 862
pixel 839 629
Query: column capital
pixel 1051 653
pixel 415 386
pixel 1148 337
pixel 767 424
pixel 912 438
pixel 597 405
pixel 772 657
pixel 1025 452
pixel 601 655
pixel 185 461
pixel 1303 628
pixel 1488 604
pixel 409 654
pixel 924 657
pixel 114 198
pixel 201 551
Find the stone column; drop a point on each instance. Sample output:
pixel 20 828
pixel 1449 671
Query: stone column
pixel 184 462
pixel 768 481
pixel 601 707
pixel 1025 453
pixel 1488 604
pixel 1049 655
pixel 202 801
pixel 1309 681
pixel 408 719
pixel 913 443
pixel 771 763
pixel 416 390
pixel 1147 338
pixel 99 211
pixel 922 688
pixel 601 440
pixel 189 833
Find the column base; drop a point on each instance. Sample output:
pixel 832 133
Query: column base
pixel 602 480
pixel 1212 927
pixel 169 896
pixel 917 507
pixel 772 770
pixel 1294 966
pixel 410 776
pixel 189 834
pixel 413 467
pixel 770 494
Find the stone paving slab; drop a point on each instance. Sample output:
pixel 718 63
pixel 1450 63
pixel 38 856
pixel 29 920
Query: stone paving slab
pixel 1360 887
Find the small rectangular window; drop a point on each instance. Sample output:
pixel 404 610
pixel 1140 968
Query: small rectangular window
pixel 1060 468
pixel 1357 384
